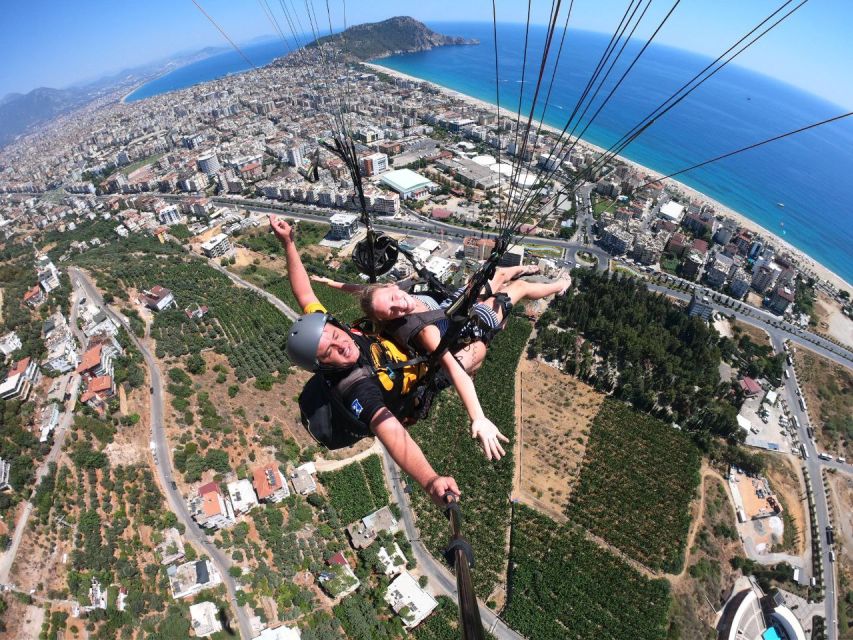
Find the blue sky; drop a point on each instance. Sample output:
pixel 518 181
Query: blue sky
pixel 57 43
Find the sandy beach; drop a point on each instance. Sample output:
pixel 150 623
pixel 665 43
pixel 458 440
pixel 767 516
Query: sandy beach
pixel 805 262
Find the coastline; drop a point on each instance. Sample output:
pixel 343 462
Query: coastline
pixel 803 260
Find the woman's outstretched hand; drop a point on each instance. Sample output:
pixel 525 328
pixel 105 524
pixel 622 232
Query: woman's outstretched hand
pixel 282 230
pixel 490 438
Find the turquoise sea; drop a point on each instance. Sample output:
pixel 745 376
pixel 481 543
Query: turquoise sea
pixel 810 173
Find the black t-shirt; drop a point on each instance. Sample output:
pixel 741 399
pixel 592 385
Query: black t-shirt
pixel 374 392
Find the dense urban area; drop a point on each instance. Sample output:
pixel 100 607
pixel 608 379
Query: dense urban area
pixel 681 419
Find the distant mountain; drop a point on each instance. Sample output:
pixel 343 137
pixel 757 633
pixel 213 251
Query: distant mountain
pixel 21 112
pixel 401 34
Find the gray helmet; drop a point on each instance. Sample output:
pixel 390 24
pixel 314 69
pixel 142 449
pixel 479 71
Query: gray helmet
pixel 304 338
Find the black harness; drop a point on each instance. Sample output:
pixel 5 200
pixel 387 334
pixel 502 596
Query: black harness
pixel 325 414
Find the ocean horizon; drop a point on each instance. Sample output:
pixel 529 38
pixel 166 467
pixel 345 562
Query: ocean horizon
pixel 808 173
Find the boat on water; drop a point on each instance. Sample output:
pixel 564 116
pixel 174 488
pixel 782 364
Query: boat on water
pixel 781 205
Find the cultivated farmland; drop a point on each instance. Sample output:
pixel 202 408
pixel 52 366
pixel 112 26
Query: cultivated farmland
pixel 564 586
pixel 446 440
pixel 357 489
pixel 638 479
pixel 239 323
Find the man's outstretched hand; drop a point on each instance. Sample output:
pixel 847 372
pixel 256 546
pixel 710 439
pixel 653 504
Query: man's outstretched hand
pixel 490 438
pixel 439 486
pixel 282 230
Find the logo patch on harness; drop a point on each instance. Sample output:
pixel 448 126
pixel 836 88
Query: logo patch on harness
pixel 356 407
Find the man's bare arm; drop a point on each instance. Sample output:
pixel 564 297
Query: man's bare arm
pixel 299 281
pixel 408 455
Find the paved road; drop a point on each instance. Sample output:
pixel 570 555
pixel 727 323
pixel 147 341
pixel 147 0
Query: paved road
pixel 768 322
pixel 162 460
pixel 814 466
pixel 419 227
pixel 440 576
pixel 278 304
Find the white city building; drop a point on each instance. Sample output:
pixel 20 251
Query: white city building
pixel 170 215
pixel 344 226
pixel 9 343
pixel 374 164
pixel 205 619
pixel 242 496
pixel 408 184
pixel 404 593
pixel 671 211
pixel 218 245
pixel 209 163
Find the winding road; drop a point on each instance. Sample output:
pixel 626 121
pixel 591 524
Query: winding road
pixel 162 460
pixel 440 576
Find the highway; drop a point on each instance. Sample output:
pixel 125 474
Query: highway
pixel 163 460
pixel 814 466
pixel 419 227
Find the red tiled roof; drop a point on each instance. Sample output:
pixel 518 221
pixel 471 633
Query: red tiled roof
pixel 19 367
pixel 91 359
pixel 261 483
pixel 440 214
pixel 100 384
pixel 210 504
pixel 32 293
pixel 787 294
pixel 700 246
pixel 338 559
pixel 750 386
pixel 210 487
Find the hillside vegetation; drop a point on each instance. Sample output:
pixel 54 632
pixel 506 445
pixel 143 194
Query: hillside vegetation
pixel 621 338
pixel 395 35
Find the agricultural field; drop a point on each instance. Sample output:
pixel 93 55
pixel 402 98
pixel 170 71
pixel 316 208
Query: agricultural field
pixel 828 389
pixel 239 323
pixel 445 439
pixel 564 586
pixel 357 489
pixel 635 488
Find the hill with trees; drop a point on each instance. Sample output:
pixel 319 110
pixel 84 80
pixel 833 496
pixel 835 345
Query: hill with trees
pixel 400 34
